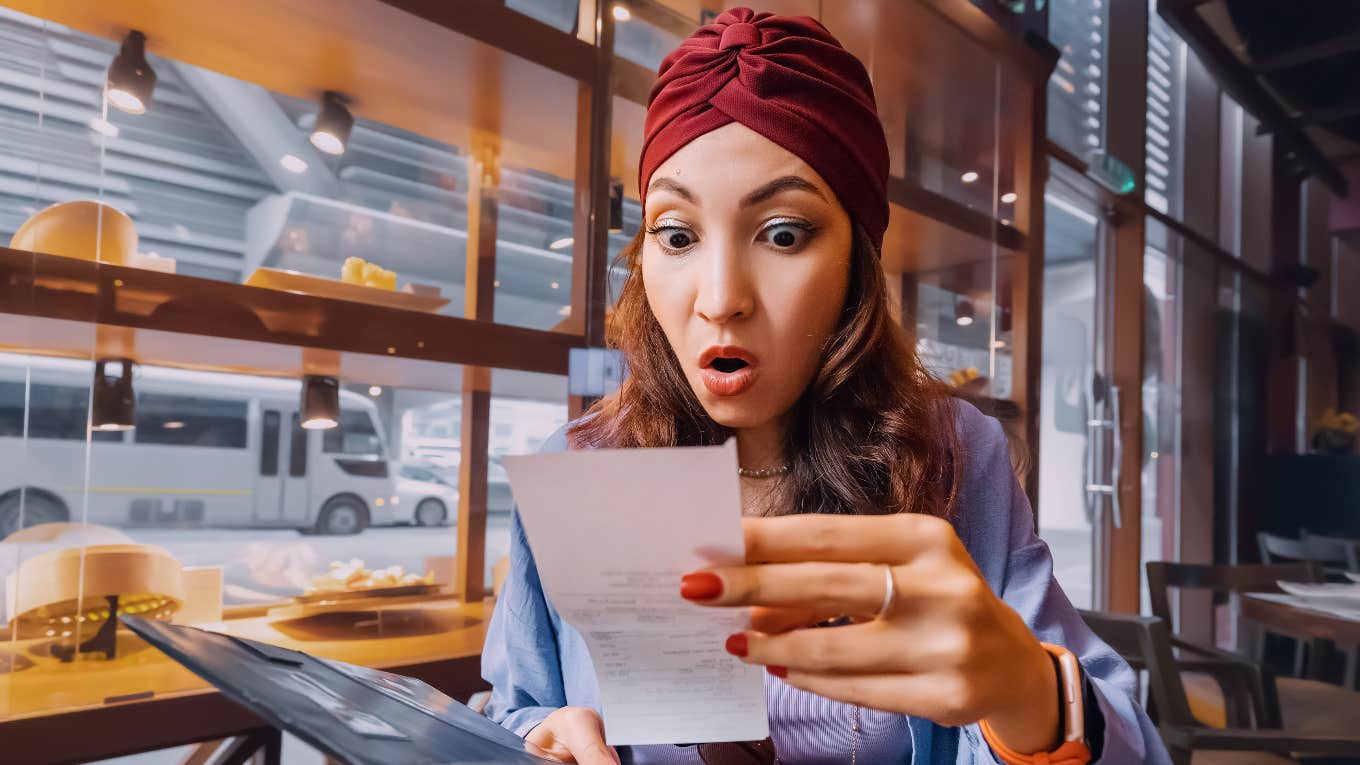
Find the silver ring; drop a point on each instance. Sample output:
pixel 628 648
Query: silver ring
pixel 889 593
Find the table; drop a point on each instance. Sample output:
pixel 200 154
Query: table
pixel 1292 615
pixel 56 713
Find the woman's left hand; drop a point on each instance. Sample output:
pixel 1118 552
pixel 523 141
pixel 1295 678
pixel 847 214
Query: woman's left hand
pixel 947 649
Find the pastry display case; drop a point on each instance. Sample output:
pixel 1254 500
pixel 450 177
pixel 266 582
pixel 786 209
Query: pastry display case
pixel 270 318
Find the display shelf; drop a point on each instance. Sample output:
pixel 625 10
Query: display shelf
pixel 64 306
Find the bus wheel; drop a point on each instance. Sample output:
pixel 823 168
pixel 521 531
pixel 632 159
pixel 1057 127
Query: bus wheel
pixel 430 512
pixel 342 515
pixel 32 508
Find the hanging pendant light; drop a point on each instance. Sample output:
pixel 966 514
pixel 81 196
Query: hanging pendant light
pixel 330 133
pixel 114 406
pixel 320 405
pixel 615 207
pixel 131 80
pixel 963 312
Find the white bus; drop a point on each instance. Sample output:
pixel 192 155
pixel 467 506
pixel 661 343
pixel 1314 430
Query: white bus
pixel 208 450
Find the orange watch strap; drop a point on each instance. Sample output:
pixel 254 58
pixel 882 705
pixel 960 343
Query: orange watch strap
pixel 1069 753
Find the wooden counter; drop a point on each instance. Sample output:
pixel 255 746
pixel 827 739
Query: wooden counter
pixel 52 712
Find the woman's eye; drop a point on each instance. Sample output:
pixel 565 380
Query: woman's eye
pixel 673 238
pixel 677 239
pixel 786 236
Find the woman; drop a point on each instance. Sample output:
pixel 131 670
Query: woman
pixel 898 592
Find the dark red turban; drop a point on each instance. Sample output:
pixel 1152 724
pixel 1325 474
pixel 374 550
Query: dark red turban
pixel 788 79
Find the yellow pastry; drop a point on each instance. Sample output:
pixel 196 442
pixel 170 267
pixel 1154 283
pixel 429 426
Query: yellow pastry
pixel 353 271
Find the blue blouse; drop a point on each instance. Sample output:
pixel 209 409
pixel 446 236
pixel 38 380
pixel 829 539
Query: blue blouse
pixel 537 663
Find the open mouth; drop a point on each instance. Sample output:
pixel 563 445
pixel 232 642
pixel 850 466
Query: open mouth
pixel 727 364
pixel 727 370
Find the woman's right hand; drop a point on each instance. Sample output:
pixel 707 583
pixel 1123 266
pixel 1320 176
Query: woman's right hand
pixel 572 734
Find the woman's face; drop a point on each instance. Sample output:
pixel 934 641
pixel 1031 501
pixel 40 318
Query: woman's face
pixel 746 264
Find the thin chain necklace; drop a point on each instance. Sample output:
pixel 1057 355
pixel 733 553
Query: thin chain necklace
pixel 768 472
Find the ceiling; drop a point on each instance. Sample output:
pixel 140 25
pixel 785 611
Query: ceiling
pixel 1310 61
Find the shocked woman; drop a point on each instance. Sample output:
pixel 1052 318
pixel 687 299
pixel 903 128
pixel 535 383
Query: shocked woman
pixel 901 602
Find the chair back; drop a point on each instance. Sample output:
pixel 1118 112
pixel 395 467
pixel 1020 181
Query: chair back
pixel 1144 641
pixel 1279 549
pixel 1163 577
pixel 1338 550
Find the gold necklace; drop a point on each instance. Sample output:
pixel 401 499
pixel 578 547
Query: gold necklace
pixel 768 472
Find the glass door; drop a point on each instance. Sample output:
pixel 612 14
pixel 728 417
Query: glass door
pixel 1078 443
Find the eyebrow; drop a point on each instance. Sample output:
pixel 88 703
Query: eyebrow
pixel 762 194
pixel 778 186
pixel 666 184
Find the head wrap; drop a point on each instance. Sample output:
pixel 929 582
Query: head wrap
pixel 788 79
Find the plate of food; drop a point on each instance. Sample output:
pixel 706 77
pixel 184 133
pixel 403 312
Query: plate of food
pixel 359 282
pixel 351 580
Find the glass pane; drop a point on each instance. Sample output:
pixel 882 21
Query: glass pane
pixel 1165 115
pixel 943 132
pixel 1162 358
pixel 526 409
pixel 1070 326
pixel 559 14
pixel 645 31
pixel 1076 91
pixel 251 512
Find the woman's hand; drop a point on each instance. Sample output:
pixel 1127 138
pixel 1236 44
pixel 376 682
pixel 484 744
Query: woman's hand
pixel 947 650
pixel 571 734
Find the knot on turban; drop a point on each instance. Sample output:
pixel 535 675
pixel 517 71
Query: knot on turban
pixel 788 79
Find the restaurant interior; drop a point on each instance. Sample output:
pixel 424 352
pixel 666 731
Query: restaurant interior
pixel 286 280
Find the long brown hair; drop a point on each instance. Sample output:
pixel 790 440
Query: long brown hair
pixel 873 433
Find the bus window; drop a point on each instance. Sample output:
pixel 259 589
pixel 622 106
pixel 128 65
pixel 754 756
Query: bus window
pixel 297 450
pixel 269 444
pixel 190 421
pixel 355 435
pixel 54 411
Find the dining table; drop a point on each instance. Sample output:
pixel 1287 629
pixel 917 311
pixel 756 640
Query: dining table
pixel 1308 618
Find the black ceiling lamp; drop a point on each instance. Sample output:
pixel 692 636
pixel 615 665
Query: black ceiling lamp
pixel 963 312
pixel 330 133
pixel 131 80
pixel 114 406
pixel 320 404
pixel 616 207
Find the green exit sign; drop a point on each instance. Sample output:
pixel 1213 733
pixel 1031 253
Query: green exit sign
pixel 1110 172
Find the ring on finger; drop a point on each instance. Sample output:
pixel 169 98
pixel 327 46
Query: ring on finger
pixel 889 593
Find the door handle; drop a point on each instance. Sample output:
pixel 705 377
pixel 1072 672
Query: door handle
pixel 1094 429
pixel 1117 458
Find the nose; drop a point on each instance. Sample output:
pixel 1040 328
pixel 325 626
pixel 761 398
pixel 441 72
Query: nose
pixel 726 291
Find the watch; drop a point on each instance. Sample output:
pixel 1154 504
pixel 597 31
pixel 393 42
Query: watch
pixel 1074 749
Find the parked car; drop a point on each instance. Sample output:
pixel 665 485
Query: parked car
pixel 425 495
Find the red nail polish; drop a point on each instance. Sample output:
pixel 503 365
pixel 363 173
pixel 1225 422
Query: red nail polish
pixel 736 644
pixel 779 672
pixel 701 586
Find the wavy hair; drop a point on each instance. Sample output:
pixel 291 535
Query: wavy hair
pixel 873 433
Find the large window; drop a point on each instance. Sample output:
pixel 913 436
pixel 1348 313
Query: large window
pixel 1077 90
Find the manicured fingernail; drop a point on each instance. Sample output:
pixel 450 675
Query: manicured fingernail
pixel 736 644
pixel 701 586
pixel 779 672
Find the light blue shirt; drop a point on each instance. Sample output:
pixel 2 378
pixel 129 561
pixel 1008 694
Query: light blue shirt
pixel 537 663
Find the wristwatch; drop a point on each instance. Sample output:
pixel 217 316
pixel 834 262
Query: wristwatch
pixel 1075 748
